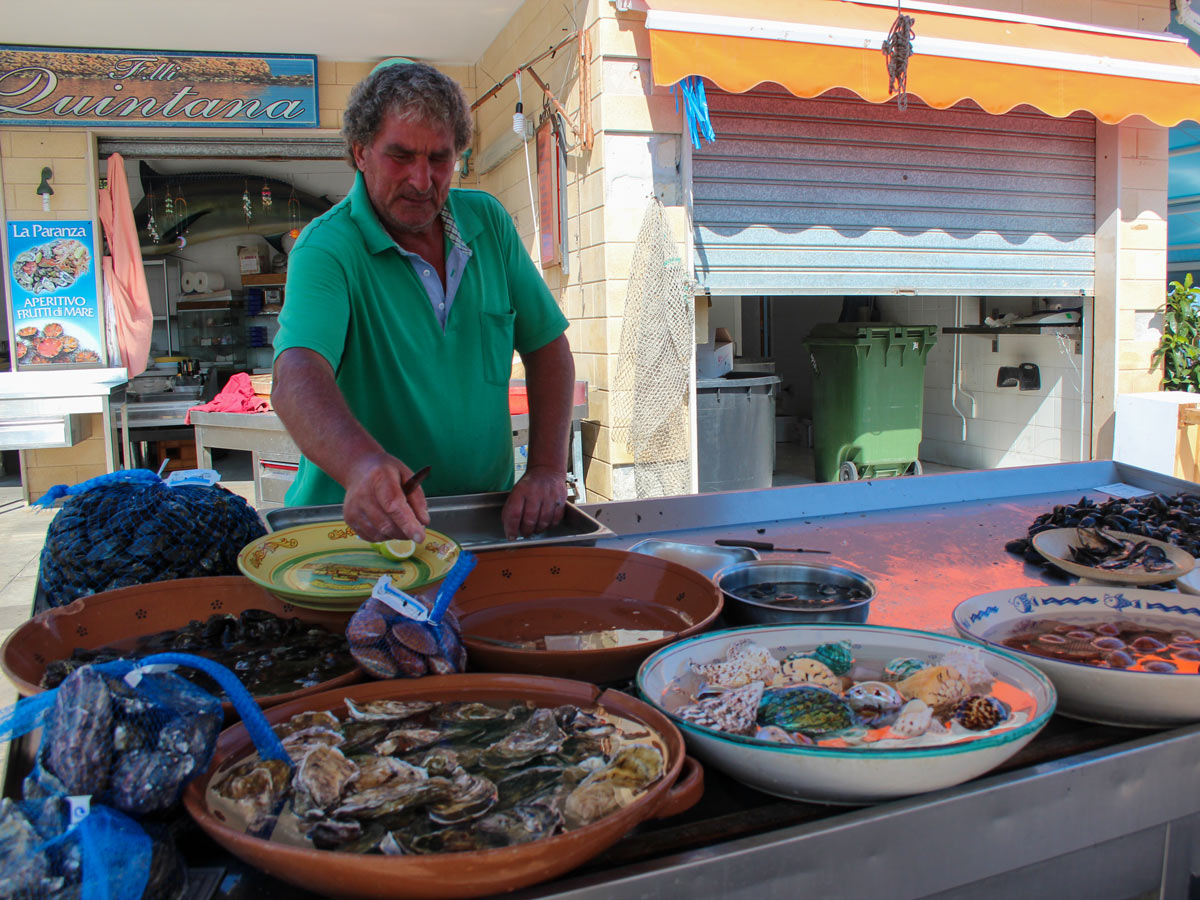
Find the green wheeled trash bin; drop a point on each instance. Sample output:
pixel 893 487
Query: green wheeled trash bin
pixel 868 394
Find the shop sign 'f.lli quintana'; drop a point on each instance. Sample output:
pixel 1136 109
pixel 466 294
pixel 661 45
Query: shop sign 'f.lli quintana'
pixel 57 86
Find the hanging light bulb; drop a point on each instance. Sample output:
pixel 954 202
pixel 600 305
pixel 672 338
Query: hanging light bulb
pixel 519 115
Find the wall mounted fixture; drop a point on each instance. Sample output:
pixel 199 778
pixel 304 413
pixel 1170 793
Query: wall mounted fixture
pixel 44 188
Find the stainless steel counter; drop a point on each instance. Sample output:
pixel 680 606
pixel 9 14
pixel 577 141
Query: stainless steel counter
pixel 43 409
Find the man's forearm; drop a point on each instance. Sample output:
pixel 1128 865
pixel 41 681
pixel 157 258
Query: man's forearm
pixel 306 397
pixel 550 383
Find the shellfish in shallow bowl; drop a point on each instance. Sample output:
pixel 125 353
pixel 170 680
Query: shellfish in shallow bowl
pixel 1119 656
pixel 872 739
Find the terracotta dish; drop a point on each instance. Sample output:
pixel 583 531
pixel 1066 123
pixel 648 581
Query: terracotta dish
pixel 467 874
pixel 125 613
pixel 514 597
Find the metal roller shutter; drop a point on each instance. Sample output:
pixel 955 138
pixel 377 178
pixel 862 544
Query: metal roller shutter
pixel 838 196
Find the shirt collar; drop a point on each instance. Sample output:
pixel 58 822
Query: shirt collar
pixel 460 224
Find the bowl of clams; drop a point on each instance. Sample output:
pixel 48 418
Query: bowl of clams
pixel 444 786
pixel 846 714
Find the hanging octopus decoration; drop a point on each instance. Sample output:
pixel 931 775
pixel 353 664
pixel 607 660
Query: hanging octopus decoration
pixel 897 48
pixel 247 206
pixel 266 196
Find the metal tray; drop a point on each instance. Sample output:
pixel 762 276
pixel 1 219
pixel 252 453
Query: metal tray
pixel 707 560
pixel 471 519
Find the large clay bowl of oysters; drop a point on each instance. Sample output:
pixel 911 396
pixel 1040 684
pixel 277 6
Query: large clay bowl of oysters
pixel 847 714
pixel 279 651
pixel 444 786
pixel 578 612
pixel 1117 655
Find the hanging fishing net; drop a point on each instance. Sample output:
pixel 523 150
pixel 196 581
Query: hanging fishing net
pixel 650 398
pixel 131 527
pixel 119 743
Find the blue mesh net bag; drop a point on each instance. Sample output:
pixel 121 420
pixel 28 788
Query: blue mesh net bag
pixel 131 527
pixel 120 741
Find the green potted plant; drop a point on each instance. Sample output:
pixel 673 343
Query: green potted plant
pixel 1178 348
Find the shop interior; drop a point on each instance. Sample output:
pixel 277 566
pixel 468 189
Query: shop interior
pixel 1013 396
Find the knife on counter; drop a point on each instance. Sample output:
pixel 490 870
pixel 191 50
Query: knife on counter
pixel 764 545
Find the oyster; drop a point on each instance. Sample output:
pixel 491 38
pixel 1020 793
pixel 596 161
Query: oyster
pixel 539 735
pixel 78 736
pixel 394 797
pixel 606 790
pixel 440 761
pixel 979 712
pixel 507 828
pixel 745 661
pixel 331 834
pixel 875 703
pixel 575 721
pixel 732 711
pixel 940 686
pixel 387 710
pixel 300 743
pixel 362 736
pixel 471 796
pixel 257 785
pixel 23 864
pixel 404 740
pixel 806 708
pixel 471 712
pixel 798 669
pixel 301 721
pixel 901 667
pixel 323 776
pixel 376 771
pixel 528 784
pixel 145 781
pixel 915 718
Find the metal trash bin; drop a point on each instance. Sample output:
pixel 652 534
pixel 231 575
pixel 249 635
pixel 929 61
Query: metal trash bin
pixel 868 397
pixel 735 431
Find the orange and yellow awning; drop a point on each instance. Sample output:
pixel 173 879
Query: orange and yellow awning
pixel 997 60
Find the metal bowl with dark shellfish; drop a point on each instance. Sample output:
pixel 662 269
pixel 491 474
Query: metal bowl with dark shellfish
pixel 119 616
pixel 779 592
pixel 1113 557
pixel 458 873
pixel 1117 655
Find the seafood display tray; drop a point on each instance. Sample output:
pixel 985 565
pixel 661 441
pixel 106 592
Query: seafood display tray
pixel 1053 820
pixel 471 519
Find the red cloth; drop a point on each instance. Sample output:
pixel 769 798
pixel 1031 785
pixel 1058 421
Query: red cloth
pixel 237 397
pixel 123 272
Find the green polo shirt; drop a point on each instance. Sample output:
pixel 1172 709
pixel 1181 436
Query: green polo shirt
pixel 430 397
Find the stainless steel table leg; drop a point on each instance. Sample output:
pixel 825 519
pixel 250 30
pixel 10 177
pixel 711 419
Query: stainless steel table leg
pixel 577 457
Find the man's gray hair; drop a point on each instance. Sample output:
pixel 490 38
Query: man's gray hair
pixel 413 91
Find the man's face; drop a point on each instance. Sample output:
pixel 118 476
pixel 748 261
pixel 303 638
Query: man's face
pixel 407 169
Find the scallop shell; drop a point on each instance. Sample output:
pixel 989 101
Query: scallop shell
pixel 806 670
pixel 745 662
pixel 902 667
pixel 940 686
pixel 733 711
pixel 970 665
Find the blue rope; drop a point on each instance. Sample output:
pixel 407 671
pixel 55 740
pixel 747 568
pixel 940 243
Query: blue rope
pixel 450 584
pixel 695 109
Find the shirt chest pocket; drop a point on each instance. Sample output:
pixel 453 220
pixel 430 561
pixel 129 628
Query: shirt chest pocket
pixel 496 332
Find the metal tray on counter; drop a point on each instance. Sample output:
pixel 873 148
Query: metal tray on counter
pixel 471 519
pixel 707 560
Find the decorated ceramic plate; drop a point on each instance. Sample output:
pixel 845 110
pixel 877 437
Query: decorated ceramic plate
pixel 326 565
pixel 1056 545
pixel 1117 655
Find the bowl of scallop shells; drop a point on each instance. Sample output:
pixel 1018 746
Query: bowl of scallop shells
pixel 443 786
pixel 846 714
pixel 1117 655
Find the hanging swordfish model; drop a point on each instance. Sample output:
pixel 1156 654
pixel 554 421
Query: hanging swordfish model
pixel 212 208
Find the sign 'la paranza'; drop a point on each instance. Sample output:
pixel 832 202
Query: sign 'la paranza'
pixel 53 86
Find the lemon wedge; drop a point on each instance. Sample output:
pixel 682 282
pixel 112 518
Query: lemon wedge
pixel 395 549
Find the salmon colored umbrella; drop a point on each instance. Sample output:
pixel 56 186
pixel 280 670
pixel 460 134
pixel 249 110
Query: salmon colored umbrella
pixel 123 272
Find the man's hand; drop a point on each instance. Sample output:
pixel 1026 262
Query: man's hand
pixel 536 502
pixel 376 506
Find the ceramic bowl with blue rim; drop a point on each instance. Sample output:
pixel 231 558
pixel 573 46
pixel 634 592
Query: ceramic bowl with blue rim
pixel 1111 696
pixel 851 773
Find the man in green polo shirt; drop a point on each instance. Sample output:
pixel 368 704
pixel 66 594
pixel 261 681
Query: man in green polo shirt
pixel 403 306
